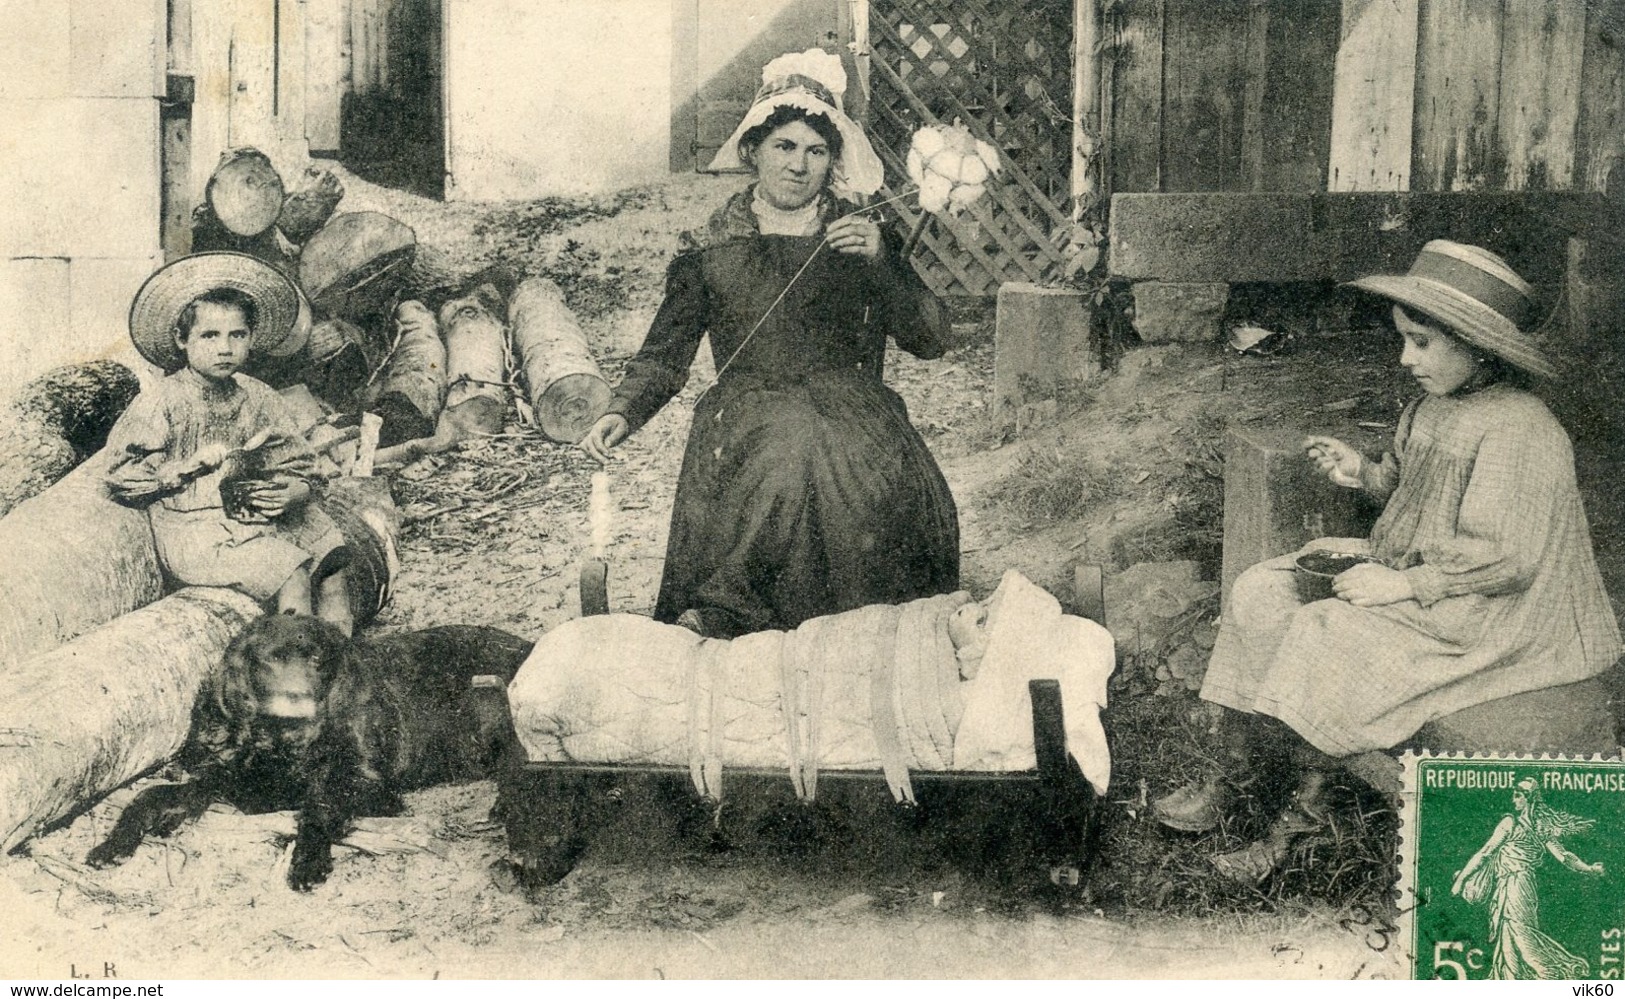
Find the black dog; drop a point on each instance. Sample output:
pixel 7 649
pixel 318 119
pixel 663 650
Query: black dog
pixel 299 716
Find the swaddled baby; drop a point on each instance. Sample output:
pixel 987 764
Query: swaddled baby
pixel 934 684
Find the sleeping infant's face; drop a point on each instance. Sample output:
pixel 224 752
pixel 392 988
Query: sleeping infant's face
pixel 967 630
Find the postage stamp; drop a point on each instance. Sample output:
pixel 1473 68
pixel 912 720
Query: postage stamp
pixel 1513 867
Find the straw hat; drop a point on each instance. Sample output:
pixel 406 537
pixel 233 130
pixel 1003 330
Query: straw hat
pixel 814 81
pixel 283 323
pixel 245 191
pixel 1475 295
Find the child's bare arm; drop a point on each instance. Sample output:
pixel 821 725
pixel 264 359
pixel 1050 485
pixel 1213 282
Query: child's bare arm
pixel 1347 467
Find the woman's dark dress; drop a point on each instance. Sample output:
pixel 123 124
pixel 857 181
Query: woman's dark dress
pixel 805 490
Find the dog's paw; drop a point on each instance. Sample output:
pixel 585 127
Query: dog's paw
pixel 112 851
pixel 310 866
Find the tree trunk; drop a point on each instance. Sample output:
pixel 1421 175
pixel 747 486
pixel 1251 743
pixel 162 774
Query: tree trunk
pixel 365 513
pixel 56 421
pixel 79 721
pixel 75 560
pixel 476 365
pixel 567 391
pixel 411 389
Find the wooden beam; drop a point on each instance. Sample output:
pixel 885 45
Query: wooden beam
pixel 1256 68
pixel 1085 97
pixel 1203 47
pixel 1373 97
pixel 1301 49
pixel 1599 144
pixel 1458 96
pixel 1136 153
pixel 1542 58
pixel 325 70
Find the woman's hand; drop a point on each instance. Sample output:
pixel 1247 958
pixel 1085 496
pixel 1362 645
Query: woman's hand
pixel 856 235
pixel 1336 460
pixel 1372 585
pixel 282 494
pixel 609 431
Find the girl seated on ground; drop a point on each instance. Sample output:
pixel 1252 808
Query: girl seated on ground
pixel 178 441
pixel 1484 583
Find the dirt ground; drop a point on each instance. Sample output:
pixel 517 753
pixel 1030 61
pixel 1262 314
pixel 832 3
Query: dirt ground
pixel 495 533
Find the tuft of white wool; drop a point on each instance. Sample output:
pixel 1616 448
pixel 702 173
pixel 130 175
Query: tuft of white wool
pixel 935 190
pixel 951 167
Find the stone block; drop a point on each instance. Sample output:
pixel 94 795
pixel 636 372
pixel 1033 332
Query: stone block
pixel 1577 719
pixel 34 301
pixel 1045 344
pixel 117 49
pixel 1182 312
pixel 84 172
pixel 99 295
pixel 34 49
pixel 1275 501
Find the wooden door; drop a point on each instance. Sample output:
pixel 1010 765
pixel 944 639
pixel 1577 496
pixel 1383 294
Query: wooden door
pixel 175 128
pixel 251 120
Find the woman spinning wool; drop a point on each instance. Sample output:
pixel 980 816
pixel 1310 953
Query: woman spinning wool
pixel 804 490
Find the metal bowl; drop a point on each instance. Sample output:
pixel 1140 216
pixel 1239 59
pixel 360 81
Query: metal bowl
pixel 1317 569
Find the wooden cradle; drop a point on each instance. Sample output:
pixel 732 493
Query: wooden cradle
pixel 991 822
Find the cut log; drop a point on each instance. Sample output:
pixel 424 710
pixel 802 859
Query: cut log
pixel 356 264
pixel 84 718
pixel 476 366
pixel 567 391
pixel 308 206
pixel 245 192
pixel 342 357
pixel 56 421
pixel 74 561
pixel 366 515
pixel 411 389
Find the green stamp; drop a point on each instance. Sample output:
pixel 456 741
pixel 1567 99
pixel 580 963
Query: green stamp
pixel 1513 867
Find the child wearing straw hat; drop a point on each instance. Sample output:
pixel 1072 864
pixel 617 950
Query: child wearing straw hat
pixel 208 430
pixel 1483 583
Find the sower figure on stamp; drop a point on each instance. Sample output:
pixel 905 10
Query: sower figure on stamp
pixel 1484 584
pixel 215 455
pixel 805 490
pixel 1502 873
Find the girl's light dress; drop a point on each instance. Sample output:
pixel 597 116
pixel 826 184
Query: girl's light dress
pixel 197 543
pixel 1483 515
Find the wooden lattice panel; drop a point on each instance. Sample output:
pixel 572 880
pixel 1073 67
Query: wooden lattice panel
pixel 1004 69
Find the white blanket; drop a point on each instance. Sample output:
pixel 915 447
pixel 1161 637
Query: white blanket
pixel 874 688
